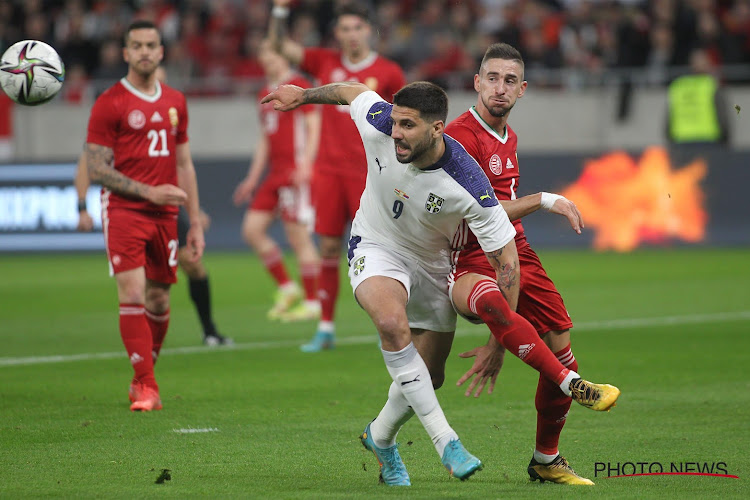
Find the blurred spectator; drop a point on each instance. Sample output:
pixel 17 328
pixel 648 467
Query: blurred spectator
pixel 76 89
pixel 697 109
pixel 111 66
pixel 572 43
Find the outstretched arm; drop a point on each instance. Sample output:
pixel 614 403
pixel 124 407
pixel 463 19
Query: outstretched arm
pixel 553 203
pixel 289 97
pixel 281 43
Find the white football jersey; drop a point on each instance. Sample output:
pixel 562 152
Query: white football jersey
pixel 418 212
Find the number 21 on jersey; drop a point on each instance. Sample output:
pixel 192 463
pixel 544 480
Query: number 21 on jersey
pixel 158 143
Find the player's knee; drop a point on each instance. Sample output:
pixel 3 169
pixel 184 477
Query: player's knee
pixel 391 327
pixel 157 300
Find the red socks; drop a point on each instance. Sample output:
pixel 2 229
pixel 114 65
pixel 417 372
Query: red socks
pixel 513 331
pixel 552 407
pixel 328 287
pixel 274 264
pixel 158 323
pixel 309 275
pixel 136 336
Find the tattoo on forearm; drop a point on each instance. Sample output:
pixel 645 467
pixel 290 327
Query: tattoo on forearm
pixel 506 272
pixel 506 276
pixel 100 162
pixel 327 94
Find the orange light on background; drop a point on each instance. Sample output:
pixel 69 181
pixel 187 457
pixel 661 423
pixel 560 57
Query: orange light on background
pixel 627 203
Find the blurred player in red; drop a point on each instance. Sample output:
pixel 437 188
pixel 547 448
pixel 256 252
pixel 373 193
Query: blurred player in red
pixel 137 149
pixel 485 134
pixel 288 145
pixel 341 167
pixel 198 282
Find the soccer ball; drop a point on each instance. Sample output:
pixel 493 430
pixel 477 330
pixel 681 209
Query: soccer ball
pixel 31 72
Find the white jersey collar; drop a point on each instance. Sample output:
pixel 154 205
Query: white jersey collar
pixel 488 128
pixel 364 63
pixel 141 95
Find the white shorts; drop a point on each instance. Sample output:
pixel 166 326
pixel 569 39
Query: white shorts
pixel 428 306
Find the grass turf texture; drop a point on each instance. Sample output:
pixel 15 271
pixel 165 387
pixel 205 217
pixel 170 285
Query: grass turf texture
pixel 287 422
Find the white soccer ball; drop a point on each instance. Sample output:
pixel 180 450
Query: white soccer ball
pixel 31 72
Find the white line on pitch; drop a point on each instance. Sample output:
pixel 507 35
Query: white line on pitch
pixel 615 324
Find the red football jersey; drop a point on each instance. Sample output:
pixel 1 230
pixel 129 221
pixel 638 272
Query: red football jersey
pixel 495 153
pixel 341 150
pixel 285 131
pixel 143 131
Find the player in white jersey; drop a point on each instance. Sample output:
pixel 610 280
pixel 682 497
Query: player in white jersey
pixel 420 187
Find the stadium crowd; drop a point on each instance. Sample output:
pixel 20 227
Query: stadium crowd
pixel 212 45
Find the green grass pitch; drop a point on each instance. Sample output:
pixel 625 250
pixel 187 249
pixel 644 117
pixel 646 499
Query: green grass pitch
pixel 671 328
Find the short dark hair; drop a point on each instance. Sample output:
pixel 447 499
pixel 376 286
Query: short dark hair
pixel 352 9
pixel 140 24
pixel 502 51
pixel 429 99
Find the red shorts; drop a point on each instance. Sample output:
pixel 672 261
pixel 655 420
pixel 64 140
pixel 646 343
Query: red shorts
pixel 538 299
pixel 134 239
pixel 278 193
pixel 336 200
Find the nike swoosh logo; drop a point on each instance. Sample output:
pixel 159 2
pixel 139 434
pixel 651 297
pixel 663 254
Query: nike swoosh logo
pixel 416 379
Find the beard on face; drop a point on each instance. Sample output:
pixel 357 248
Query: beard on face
pixel 416 151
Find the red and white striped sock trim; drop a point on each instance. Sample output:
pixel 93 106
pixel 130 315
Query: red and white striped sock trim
pixel 131 309
pixel 271 258
pixel 309 270
pixel 330 263
pixel 481 289
pixel 566 357
pixel 159 318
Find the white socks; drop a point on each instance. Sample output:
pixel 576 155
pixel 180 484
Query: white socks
pixel 412 379
pixel 565 384
pixel 394 414
pixel 543 458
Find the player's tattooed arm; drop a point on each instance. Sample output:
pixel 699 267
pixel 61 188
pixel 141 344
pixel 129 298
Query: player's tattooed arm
pixel 334 93
pixel 507 271
pixel 100 161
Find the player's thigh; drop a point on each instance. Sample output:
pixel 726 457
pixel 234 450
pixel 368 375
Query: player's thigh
pixel 470 268
pixel 255 224
pixel 162 251
pixel 126 235
pixel 539 301
pixel 380 281
pixel 429 306
pixel 329 200
pixel 131 286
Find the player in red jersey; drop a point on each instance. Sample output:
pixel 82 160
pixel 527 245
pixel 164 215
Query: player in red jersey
pixel 288 145
pixel 137 149
pixel 484 132
pixel 340 168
